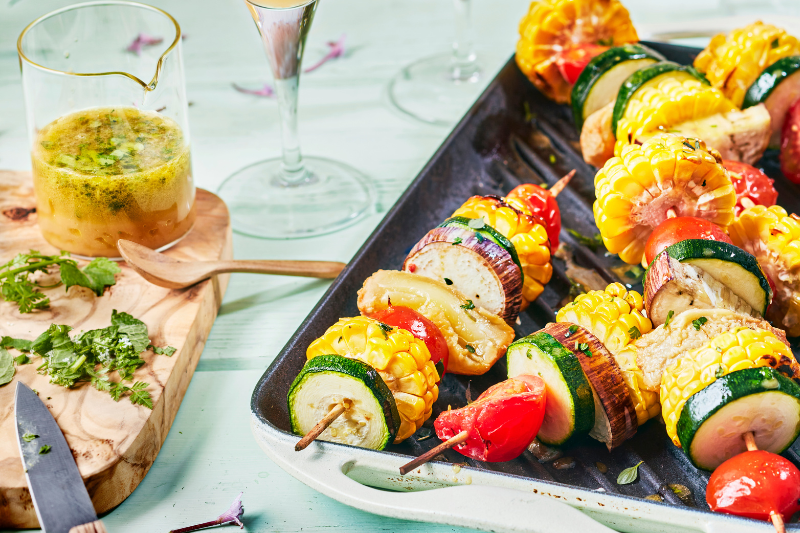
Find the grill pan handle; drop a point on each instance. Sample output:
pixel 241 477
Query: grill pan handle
pixel 322 466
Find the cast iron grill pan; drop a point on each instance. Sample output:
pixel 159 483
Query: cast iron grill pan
pixel 512 135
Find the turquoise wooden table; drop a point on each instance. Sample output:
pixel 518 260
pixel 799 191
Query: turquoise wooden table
pixel 210 454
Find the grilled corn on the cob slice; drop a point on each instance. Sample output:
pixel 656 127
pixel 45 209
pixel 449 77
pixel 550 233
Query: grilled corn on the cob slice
pixel 553 26
pixel 635 190
pixel 402 360
pixel 773 237
pixel 733 62
pixel 666 101
pixel 614 316
pixel 526 232
pixel 731 351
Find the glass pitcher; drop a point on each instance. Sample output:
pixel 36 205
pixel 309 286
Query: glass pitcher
pixel 110 151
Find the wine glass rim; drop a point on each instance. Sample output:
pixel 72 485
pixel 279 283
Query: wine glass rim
pixel 302 4
pixel 97 3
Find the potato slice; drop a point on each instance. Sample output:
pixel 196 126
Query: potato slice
pixel 475 337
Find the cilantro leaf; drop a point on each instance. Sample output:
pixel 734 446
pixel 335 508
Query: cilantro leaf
pixel 468 305
pixel 97 275
pixel 634 332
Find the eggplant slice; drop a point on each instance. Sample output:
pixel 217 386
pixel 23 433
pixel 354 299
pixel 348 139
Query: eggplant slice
pixel 478 267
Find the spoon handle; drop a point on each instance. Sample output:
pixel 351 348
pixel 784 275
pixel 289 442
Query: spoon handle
pixel 309 269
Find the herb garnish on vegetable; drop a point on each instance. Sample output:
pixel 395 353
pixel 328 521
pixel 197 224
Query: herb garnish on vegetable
pixel 17 286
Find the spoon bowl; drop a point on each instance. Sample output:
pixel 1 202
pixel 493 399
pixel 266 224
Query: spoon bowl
pixel 165 271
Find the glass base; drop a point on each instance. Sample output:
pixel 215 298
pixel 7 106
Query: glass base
pixel 329 197
pixel 435 89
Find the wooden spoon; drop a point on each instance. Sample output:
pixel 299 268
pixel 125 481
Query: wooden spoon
pixel 165 271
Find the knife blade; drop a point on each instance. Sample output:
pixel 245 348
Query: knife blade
pixel 57 490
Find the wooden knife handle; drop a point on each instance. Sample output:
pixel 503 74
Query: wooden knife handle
pixel 92 527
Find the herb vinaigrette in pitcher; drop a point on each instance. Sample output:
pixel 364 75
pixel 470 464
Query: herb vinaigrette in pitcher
pixel 105 174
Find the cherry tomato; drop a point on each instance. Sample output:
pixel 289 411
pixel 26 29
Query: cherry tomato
pixel 752 186
pixel 542 204
pixel 572 61
pixel 422 328
pixel 790 144
pixel 754 484
pixel 680 229
pixel 501 423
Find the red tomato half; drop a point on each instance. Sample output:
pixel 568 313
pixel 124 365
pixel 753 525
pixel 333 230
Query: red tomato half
pixel 422 328
pixel 790 144
pixel 752 186
pixel 543 205
pixel 501 423
pixel 572 61
pixel 753 484
pixel 680 229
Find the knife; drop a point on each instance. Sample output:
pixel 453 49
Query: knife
pixel 57 490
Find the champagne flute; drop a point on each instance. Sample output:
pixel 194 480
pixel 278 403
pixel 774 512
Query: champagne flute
pixel 292 196
pixel 439 89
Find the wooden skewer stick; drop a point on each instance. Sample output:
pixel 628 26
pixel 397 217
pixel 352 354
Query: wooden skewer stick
pixel 562 183
pixel 433 452
pixel 322 425
pixel 777 519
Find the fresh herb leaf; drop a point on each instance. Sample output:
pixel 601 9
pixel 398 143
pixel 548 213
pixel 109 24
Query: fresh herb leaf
pixel 634 332
pixel 469 348
pixel 552 159
pixel 719 372
pixel 468 305
pixel 476 223
pixel 457 240
pixel 385 329
pixel 18 344
pixel 448 281
pixel 571 330
pixel 6 367
pixel 669 318
pixel 529 354
pixel 28 436
pixel 590 242
pixel 96 276
pixel 698 323
pixel 774 43
pixel 22 359
pixel 688 145
pixel 479 238
pixel 166 350
pixel 44 450
pixel 609 41
pixel 629 475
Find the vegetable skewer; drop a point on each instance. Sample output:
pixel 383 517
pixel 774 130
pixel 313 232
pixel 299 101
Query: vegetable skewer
pixel 322 425
pixel 433 452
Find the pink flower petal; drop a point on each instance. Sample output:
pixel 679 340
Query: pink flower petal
pixel 336 49
pixel 267 91
pixel 141 41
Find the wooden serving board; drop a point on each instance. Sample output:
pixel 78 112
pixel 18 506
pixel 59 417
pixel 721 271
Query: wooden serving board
pixel 114 443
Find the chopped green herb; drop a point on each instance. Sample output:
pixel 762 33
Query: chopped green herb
pixel 448 281
pixel 669 318
pixel 385 328
pixel 28 436
pixel 552 159
pixel 22 359
pixel 545 186
pixel 609 41
pixel 469 348
pixel 529 354
pixel 696 144
pixel 44 450
pixel 591 242
pixel 774 43
pixel 571 330
pixel 479 237
pixel 18 344
pixel 704 183
pixel 468 305
pixel 340 339
pixel 166 350
pixel 719 372
pixel 688 145
pixel 17 286
pixel 476 223
pixel 629 475
pixel 698 323
pixel 634 332
pixel 457 240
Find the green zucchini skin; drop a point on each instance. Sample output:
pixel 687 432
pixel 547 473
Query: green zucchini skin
pixel 598 66
pixel 706 249
pixel 487 232
pixel 731 387
pixel 642 76
pixel 572 375
pixel 357 370
pixel 769 79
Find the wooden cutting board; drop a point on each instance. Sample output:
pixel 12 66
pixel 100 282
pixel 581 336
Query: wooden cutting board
pixel 114 443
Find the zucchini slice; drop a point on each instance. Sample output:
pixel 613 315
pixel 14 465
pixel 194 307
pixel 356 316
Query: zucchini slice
pixel 475 265
pixel 713 420
pixel 646 75
pixel 711 275
pixel 372 419
pixel 615 415
pixel 570 407
pixel 777 87
pixel 601 79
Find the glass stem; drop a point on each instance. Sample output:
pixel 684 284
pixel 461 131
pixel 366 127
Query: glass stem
pixel 464 63
pixel 286 91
